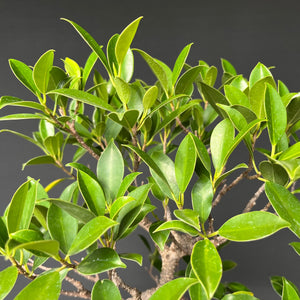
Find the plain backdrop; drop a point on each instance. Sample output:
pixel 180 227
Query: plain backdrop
pixel 244 32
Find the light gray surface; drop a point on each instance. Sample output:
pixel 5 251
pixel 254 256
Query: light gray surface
pixel 243 32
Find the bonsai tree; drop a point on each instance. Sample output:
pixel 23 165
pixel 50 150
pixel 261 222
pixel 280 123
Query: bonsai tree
pixel 153 147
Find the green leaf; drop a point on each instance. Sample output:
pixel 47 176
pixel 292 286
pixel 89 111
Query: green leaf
pixel 21 116
pixel 260 71
pixel 8 278
pixel 173 290
pixel 167 167
pixel 43 247
pixel 127 67
pixel 83 97
pixel 296 247
pixel 150 162
pixel 276 114
pixel 126 183
pixel 202 153
pixel 273 172
pixel 110 171
pixel 74 210
pixel 239 297
pixel 291 153
pixel 251 226
pixel 13 101
pixel 235 96
pixel 185 162
pixel 126 119
pixel 124 40
pixel 105 290
pixel 88 67
pixel 91 42
pixel 228 67
pixel 257 96
pixel 118 204
pixel 211 76
pixel 180 61
pixel 188 216
pixel 39 160
pixel 202 196
pixel 220 142
pixel 44 287
pixel 158 71
pixel 174 114
pixel 24 74
pixel 138 258
pixel 207 265
pixel 123 90
pixel 185 82
pixel 100 260
pixel 159 237
pixel 62 227
pixel 277 284
pixel 150 97
pixel 26 235
pixel 285 204
pixel 228 265
pixel 178 226
pixel 41 71
pixel 213 96
pixel 3 234
pixel 21 207
pixel 91 192
pixel 90 233
pixel 289 293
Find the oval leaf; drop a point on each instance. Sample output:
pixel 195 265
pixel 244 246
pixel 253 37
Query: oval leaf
pixel 251 226
pixel 8 278
pixel 105 290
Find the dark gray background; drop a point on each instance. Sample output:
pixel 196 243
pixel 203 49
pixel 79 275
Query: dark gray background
pixel 243 32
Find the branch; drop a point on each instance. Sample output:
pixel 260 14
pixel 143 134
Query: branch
pixel 253 200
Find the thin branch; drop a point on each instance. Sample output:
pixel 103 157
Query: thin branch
pixel 76 294
pixel 253 200
pixel 267 206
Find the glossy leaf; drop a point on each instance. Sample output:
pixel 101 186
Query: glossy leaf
pixel 289 293
pixel 235 96
pixel 91 192
pixel 13 101
pixel 188 216
pixel 88 67
pixel 42 247
pixel 202 196
pixel 24 74
pixel 260 71
pixel 213 96
pixel 150 97
pixel 185 82
pixel 127 181
pixel 26 235
pixel 91 42
pixel 207 265
pixel 251 226
pixel 173 290
pixel 45 287
pixel 39 160
pixel 123 90
pixel 276 114
pixel 8 278
pixel 62 227
pixel 180 61
pixel 296 247
pixel 179 226
pixel 83 97
pixel 22 116
pixel 110 171
pixel 118 204
pixel 220 142
pixel 3 233
pixel 138 258
pixel 105 290
pixel 127 67
pixel 90 233
pixel 21 207
pixel 239 297
pixel 100 260
pixel 125 38
pixel 291 152
pixel 285 204
pixel 160 237
pixel 277 284
pixel 273 172
pixel 41 71
pixel 126 119
pixel 158 71
pixel 202 153
pixel 74 210
pixel 185 162
pixel 228 67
